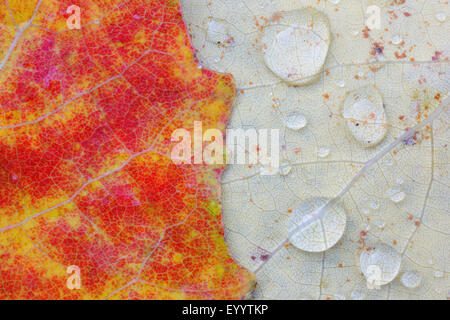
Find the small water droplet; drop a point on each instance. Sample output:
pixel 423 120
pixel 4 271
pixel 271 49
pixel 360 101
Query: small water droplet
pixel 441 17
pixel 335 1
pixel 397 39
pixel 354 32
pixel 411 279
pixel 438 274
pixel 381 224
pixel 365 210
pixel 396 194
pixel 218 32
pixel 323 152
pixel 398 197
pixel 217 59
pixel 313 230
pixel 339 296
pixel 374 205
pixel 365 117
pixel 380 264
pixel 285 168
pixel 295 121
pixel 357 295
pixel 341 83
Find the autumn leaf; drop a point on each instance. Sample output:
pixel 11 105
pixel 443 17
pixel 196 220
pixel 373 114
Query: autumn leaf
pixel 86 178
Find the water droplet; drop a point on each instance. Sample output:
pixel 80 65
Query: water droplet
pixel 341 83
pixel 217 59
pixel 357 295
pixel 335 1
pixel 218 32
pixel 365 210
pixel 296 45
pixel 396 194
pixel 398 197
pixel 339 296
pixel 374 205
pixel 438 274
pixel 285 168
pixel 295 121
pixel 315 228
pixel 381 224
pixel 380 265
pixel 365 116
pixel 323 152
pixel 441 17
pixel 410 279
pixel 397 39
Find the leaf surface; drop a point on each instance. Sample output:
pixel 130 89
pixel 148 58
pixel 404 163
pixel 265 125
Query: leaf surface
pixel 406 60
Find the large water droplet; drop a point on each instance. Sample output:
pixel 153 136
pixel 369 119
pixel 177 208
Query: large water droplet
pixel 295 121
pixel 365 116
pixel 316 228
pixel 410 279
pixel 380 265
pixel 295 46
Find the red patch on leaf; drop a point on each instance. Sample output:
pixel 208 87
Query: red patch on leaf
pixel 85 170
